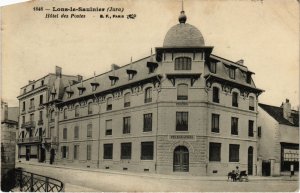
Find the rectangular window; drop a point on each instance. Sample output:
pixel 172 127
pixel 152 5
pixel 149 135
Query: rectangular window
pixel 213 67
pixel 41 116
pixel 183 63
pixel 127 100
pixel 250 128
pixel 214 151
pixel 31 117
pixel 88 152
pixel 90 108
pixel 148 95
pixel 182 120
pixel 147 150
pixel 65 133
pixel 251 103
pixel 76 132
pixel 182 92
pixel 108 127
pixel 234 151
pixel 108 151
pixel 126 125
pixel 41 99
pixel 76 152
pixel 89 131
pixel 109 104
pixel 23 109
pixel 64 152
pixel 125 150
pixel 259 131
pixel 215 123
pixel 147 122
pixel 235 99
pixel 23 119
pixel 215 95
pixel 31 104
pixel 234 125
pixel 232 73
pixel 77 111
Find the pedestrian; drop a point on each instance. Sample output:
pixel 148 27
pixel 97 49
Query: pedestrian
pixel 292 170
pixel 237 172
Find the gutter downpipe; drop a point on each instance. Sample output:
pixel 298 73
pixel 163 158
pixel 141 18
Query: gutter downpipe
pixel 158 91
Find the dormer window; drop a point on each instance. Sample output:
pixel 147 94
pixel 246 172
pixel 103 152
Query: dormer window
pixel 24 91
pixel 232 73
pixel 248 78
pixel 213 67
pixel 32 87
pixel 94 85
pixel 81 88
pixel 131 73
pixel 42 82
pixel 113 80
pixel 183 63
pixel 152 66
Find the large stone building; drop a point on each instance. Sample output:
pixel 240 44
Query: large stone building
pixel 181 109
pixel 278 140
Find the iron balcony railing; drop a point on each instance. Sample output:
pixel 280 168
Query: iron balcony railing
pixel 29 140
pixel 28 124
pixel 31 182
pixel 31 108
pixel 40 122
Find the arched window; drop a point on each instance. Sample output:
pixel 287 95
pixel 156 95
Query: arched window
pixel 52 116
pixel 77 111
pixel 65 114
pixel 148 95
pixel 90 108
pixel 109 104
pixel 183 63
pixel 182 92
pixel 251 103
pixel 127 100
pixel 216 95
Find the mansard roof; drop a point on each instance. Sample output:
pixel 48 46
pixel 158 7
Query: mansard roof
pixel 277 114
pixel 105 79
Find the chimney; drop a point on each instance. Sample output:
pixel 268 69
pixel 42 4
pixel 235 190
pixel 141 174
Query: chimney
pixel 4 111
pixel 241 62
pixel 30 81
pixel 114 67
pixel 286 108
pixel 79 78
pixel 58 71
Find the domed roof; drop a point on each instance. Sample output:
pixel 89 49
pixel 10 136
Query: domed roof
pixel 183 35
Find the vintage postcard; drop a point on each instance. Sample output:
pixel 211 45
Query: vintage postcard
pixel 150 96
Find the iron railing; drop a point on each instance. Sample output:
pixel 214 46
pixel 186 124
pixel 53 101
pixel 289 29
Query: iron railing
pixel 29 139
pixel 30 182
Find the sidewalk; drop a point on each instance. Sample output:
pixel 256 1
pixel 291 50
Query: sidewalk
pixel 163 176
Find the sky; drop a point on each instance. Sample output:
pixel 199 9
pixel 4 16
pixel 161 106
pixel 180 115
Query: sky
pixel 263 33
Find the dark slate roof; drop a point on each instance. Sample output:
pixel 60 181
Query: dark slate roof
pixel 277 114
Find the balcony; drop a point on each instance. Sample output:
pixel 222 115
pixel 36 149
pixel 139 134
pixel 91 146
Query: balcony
pixel 28 124
pixel 40 122
pixel 23 111
pixel 31 108
pixel 29 140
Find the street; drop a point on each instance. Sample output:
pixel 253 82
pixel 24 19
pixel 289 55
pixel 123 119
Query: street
pixel 111 181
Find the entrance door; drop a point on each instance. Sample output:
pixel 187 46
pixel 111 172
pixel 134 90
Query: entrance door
pixel 266 168
pixel 43 154
pixel 181 159
pixel 250 160
pixel 27 153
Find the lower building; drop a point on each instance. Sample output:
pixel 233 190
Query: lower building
pixel 9 126
pixel 278 144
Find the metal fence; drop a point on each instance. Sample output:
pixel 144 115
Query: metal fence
pixel 30 182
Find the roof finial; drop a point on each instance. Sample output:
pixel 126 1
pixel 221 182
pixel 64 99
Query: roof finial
pixel 182 16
